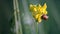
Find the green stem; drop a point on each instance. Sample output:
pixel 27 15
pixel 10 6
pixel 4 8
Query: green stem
pixel 36 24
pixel 17 17
pixel 37 28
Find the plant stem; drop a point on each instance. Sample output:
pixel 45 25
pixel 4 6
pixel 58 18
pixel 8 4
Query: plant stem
pixel 17 17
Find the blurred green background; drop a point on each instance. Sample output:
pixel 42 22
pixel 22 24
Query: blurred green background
pixel 51 26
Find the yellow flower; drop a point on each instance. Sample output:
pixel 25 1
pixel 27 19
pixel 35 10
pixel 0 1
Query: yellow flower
pixel 38 11
pixel 33 7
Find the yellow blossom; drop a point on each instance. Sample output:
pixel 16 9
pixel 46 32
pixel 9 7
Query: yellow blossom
pixel 38 11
